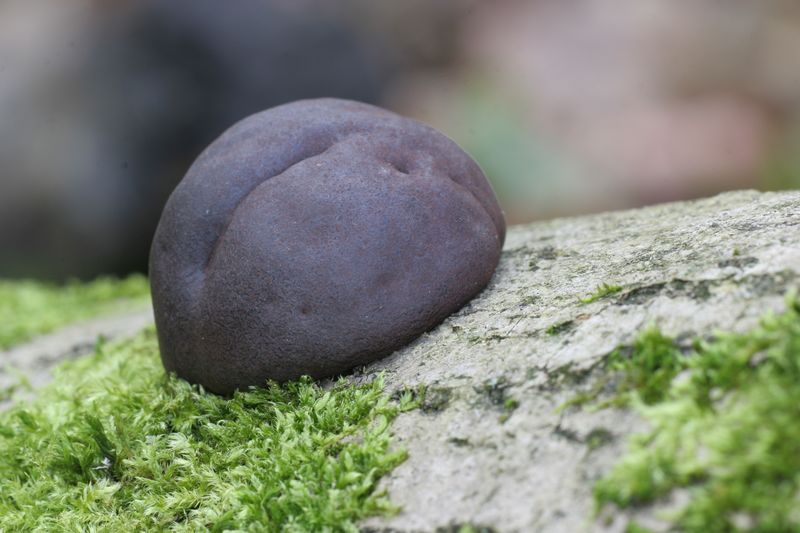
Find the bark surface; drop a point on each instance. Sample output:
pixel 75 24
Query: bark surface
pixel 690 268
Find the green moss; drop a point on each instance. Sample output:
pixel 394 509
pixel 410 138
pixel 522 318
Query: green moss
pixel 633 527
pixel 600 292
pixel 647 368
pixel 642 372
pixel 727 430
pixel 465 528
pixel 29 308
pixel 597 438
pixel 509 406
pixel 560 327
pixel 113 444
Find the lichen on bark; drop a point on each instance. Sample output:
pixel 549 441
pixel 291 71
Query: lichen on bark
pixel 689 269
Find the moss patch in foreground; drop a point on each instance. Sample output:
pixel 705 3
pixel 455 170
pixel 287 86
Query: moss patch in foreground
pixel 726 430
pixel 29 308
pixel 113 444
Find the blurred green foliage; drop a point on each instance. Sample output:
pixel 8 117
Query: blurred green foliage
pixel 29 308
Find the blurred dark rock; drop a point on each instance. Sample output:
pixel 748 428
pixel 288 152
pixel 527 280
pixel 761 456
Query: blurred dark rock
pixel 104 106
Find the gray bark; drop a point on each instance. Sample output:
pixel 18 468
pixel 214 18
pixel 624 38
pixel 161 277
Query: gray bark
pixel 690 268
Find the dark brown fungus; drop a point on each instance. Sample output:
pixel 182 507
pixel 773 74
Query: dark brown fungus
pixel 315 237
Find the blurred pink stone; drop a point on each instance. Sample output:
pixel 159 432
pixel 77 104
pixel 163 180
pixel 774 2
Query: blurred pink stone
pixel 671 150
pixel 656 100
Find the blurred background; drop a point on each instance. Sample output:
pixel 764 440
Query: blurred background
pixel 570 106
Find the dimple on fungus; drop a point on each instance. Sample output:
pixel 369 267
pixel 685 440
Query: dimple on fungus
pixel 315 237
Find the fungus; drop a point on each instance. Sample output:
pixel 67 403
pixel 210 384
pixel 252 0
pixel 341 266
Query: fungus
pixel 315 237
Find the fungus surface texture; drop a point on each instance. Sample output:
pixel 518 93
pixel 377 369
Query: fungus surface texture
pixel 315 237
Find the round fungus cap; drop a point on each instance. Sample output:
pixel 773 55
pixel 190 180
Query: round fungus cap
pixel 315 237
